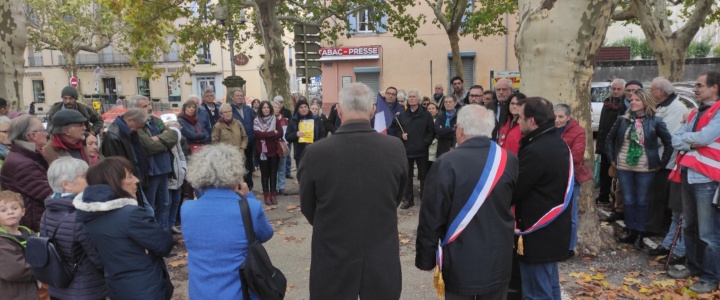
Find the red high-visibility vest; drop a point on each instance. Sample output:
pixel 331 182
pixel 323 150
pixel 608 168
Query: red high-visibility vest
pixel 705 159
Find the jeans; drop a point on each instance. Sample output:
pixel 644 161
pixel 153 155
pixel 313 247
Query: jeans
pixel 635 186
pixel 158 197
pixel 701 229
pixel 248 164
pixel 574 215
pixel 268 174
pixel 679 249
pixel 175 198
pixel 422 165
pixel 540 281
pixel 281 172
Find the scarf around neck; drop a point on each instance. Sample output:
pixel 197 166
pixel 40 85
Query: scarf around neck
pixel 636 137
pixel 192 119
pixel 59 142
pixel 264 124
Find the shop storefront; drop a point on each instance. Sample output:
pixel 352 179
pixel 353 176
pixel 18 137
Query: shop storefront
pixel 342 66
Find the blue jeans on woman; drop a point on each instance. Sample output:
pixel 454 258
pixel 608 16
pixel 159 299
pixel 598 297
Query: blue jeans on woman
pixel 635 189
pixel 574 215
pixel 679 249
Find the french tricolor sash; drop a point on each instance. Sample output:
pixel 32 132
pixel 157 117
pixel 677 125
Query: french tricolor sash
pixel 555 211
pixel 494 169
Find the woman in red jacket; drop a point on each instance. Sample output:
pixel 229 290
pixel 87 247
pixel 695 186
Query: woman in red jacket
pixel 574 135
pixel 509 134
pixel 268 131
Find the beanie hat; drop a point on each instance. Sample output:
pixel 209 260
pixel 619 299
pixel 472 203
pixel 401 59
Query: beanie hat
pixel 66 117
pixel 69 91
pixel 635 82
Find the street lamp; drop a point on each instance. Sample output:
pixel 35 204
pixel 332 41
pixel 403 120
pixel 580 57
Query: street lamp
pixel 221 16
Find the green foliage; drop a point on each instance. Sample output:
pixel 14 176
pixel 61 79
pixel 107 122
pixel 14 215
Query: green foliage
pixel 699 49
pixel 716 51
pixel 638 47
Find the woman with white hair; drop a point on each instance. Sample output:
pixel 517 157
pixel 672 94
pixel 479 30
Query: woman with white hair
pixel 229 130
pixel 66 176
pixel 215 256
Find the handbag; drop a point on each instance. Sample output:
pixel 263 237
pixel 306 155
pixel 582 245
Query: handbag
pixel 283 150
pixel 48 266
pixel 257 272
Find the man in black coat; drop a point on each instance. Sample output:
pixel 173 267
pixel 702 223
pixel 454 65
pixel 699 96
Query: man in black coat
pixel 415 127
pixel 541 185
pixel 352 206
pixel 122 139
pixel 477 263
pixel 613 107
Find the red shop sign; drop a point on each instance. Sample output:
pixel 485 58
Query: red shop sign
pixel 349 51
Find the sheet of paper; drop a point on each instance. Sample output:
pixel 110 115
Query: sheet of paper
pixel 308 128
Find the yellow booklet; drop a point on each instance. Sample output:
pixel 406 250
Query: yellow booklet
pixel 308 128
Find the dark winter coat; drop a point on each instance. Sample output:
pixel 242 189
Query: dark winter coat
pixel 654 128
pixel 445 134
pixel 73 242
pixel 122 232
pixel 17 281
pixel 574 136
pixel 541 185
pixel 355 247
pixel 479 261
pixel 158 152
pixel 608 115
pixel 194 133
pixel 120 141
pixel 94 120
pixel 293 127
pixel 25 172
pixel 420 129
pixel 213 115
pixel 247 121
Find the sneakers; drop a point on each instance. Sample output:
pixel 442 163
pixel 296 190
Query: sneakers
pixel 679 274
pixel 701 287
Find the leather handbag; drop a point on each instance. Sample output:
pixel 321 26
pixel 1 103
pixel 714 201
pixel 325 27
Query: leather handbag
pixel 46 262
pixel 283 150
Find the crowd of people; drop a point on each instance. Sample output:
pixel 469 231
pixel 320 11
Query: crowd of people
pixel 499 174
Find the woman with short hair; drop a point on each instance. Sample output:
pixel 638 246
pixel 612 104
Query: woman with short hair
pixel 445 124
pixel 632 148
pixel 191 129
pixel 215 256
pixel 66 176
pixel 131 243
pixel 229 130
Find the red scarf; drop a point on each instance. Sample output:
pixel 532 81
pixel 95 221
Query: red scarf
pixel 61 143
pixel 192 119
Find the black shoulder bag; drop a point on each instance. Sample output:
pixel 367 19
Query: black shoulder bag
pixel 47 263
pixel 257 272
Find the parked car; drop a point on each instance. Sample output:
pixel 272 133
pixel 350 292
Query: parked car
pixel 599 91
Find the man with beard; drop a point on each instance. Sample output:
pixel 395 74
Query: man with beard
pixel 69 97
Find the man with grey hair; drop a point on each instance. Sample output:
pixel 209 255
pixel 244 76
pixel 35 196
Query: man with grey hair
pixel 24 170
pixel 157 141
pixel 490 230
pixel 355 246
pixel 503 92
pixel 613 107
pixel 415 127
pixel 122 139
pixel 663 193
pixel 245 115
pixel 210 106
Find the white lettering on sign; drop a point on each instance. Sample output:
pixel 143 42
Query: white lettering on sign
pixel 367 50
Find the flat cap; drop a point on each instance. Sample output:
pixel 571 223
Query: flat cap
pixel 66 117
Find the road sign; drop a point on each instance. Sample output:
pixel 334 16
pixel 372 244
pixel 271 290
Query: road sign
pixel 312 72
pixel 74 82
pixel 307 50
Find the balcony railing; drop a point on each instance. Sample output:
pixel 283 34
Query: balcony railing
pixel 35 60
pixel 97 59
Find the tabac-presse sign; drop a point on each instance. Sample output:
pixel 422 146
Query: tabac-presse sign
pixel 349 51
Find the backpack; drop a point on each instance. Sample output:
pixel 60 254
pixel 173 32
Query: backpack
pixel 47 263
pixel 257 272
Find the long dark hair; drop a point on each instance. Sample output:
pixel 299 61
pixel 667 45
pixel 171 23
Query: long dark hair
pixel 259 112
pixel 111 171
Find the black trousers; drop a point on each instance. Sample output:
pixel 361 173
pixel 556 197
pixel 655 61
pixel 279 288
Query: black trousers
pixel 605 179
pixel 496 295
pixel 659 195
pixel 249 164
pixel 422 166
pixel 268 173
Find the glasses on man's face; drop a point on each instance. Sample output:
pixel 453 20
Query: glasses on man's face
pixel 630 90
pixel 700 85
pixel 475 95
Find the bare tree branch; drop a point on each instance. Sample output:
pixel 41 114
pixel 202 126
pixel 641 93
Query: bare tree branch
pixel 437 10
pixel 696 19
pixel 624 14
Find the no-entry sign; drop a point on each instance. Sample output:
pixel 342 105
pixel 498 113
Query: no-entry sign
pixel 74 82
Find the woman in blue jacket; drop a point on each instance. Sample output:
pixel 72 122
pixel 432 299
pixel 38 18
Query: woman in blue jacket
pixel 632 147
pixel 213 227
pixel 191 128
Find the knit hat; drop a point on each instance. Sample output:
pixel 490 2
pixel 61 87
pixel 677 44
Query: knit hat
pixel 66 117
pixel 69 91
pixel 635 82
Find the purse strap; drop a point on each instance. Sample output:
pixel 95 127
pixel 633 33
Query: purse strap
pixel 52 238
pixel 250 234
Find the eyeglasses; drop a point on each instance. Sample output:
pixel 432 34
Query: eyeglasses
pixel 630 90
pixel 514 104
pixel 5 131
pixel 475 96
pixel 699 85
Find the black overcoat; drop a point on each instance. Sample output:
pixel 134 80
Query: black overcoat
pixel 352 206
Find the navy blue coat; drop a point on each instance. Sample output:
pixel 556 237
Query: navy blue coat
pixel 122 232
pixel 193 134
pixel 654 128
pixel 73 242
pixel 247 122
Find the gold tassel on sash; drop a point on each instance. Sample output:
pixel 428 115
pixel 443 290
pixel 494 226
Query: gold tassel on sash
pixel 439 283
pixel 520 250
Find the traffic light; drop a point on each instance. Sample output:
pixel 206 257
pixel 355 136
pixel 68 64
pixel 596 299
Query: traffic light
pixel 307 48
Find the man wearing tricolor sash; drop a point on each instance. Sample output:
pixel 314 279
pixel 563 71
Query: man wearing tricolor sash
pixel 543 192
pixel 465 231
pixel 698 168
